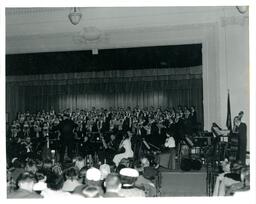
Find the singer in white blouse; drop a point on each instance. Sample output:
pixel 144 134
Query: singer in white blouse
pixel 127 145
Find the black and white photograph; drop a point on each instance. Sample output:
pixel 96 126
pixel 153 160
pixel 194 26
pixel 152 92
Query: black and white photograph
pixel 121 102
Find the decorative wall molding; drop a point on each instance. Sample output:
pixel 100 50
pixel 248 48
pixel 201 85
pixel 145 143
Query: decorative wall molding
pixel 112 38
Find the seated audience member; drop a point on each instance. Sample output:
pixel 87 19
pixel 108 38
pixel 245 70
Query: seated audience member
pixel 128 178
pixel 149 172
pixel 25 184
pixel 146 184
pixel 93 178
pixel 79 163
pixel 10 183
pixel 113 186
pixel 16 169
pixel 104 170
pixel 242 186
pixel 57 169
pixel 31 167
pixel 40 185
pixel 82 175
pixel 228 179
pixel 47 166
pixel 54 185
pixel 71 180
pixel 141 180
pixel 225 169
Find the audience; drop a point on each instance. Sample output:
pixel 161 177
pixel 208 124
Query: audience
pixel 25 183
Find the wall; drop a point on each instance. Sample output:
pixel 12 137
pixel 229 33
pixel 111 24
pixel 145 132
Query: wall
pixel 234 67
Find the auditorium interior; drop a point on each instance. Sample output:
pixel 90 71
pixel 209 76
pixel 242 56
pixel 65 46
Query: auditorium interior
pixel 157 97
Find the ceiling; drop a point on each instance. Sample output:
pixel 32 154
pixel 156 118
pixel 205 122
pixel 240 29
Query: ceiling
pixel 33 30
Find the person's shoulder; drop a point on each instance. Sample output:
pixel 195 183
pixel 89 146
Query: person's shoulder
pixel 112 195
pixel 79 188
pixel 23 194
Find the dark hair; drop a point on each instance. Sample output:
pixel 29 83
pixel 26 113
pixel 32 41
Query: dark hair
pixel 120 166
pixel 47 164
pixel 71 173
pixel 54 181
pixel 17 163
pixel 82 174
pixel 39 176
pixel 31 163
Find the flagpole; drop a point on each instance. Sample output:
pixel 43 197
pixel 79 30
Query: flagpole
pixel 229 120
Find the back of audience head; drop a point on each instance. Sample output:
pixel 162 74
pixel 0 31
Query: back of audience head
pixel 128 176
pixel 93 176
pixel 105 170
pixel 54 181
pixel 26 181
pixel 16 163
pixel 79 162
pixel 57 169
pixel 112 183
pixel 71 174
pixel 31 166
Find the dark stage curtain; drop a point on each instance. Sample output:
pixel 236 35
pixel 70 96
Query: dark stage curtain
pixel 159 88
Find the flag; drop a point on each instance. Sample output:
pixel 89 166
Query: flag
pixel 228 122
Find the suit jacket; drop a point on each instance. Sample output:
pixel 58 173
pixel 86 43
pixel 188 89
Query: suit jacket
pixel 112 195
pixel 242 133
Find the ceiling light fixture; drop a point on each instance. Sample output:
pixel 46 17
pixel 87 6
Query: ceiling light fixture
pixel 75 15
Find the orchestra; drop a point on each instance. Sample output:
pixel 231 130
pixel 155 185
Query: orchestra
pixel 101 131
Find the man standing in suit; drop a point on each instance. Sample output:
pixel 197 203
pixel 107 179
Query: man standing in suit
pixel 67 139
pixel 241 129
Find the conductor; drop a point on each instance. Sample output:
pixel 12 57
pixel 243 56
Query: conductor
pixel 67 139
